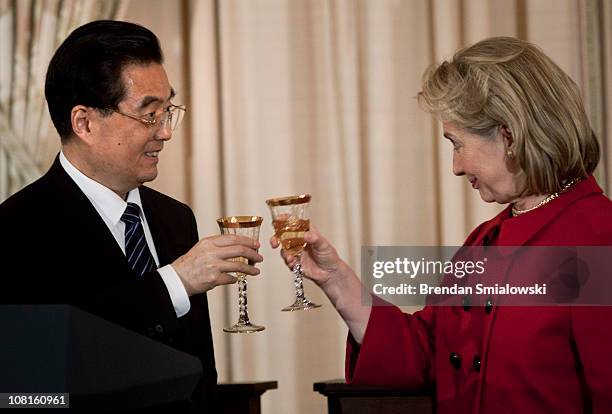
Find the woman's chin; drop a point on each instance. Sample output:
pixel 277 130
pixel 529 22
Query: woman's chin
pixel 487 197
pixel 490 198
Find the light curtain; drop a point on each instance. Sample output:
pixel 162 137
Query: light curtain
pixel 318 96
pixel 30 31
pixel 596 53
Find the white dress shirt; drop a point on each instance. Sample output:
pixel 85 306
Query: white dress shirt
pixel 111 207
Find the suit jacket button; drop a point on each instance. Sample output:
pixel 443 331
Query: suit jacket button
pixel 455 360
pixel 159 328
pixel 466 302
pixel 476 363
pixel 489 305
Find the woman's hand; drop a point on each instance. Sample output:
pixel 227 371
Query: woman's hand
pixel 321 263
pixel 319 260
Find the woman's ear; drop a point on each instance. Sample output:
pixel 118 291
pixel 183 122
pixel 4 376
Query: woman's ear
pixel 507 136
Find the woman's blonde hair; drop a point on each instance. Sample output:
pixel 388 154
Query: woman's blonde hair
pixel 510 82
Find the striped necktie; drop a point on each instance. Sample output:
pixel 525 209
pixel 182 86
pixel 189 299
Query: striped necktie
pixel 136 249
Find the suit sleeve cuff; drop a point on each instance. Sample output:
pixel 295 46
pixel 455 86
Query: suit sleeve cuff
pixel 176 290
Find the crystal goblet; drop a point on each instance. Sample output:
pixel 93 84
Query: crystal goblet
pixel 290 221
pixel 246 226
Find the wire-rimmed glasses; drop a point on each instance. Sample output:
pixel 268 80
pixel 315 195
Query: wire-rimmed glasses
pixel 172 116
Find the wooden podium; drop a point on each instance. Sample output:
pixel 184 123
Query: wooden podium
pixel 343 398
pixel 241 398
pixel 103 367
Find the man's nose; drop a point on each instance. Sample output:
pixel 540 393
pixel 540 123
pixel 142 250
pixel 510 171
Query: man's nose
pixel 165 132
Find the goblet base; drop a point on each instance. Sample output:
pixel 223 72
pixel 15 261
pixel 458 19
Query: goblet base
pixel 244 328
pixel 301 304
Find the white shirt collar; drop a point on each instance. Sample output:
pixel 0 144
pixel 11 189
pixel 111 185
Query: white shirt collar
pixel 105 199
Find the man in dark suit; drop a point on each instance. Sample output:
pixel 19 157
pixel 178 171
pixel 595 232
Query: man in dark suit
pixel 88 233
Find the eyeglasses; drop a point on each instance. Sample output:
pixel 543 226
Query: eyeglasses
pixel 171 116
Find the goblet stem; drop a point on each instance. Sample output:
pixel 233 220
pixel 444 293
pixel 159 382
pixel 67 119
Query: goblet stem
pixel 243 312
pixel 243 325
pixel 298 281
pixel 301 303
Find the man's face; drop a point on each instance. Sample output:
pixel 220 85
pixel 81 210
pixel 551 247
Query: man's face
pixel 124 151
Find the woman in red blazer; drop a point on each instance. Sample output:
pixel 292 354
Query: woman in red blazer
pixel 521 137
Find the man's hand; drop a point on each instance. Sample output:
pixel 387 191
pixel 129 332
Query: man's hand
pixel 208 263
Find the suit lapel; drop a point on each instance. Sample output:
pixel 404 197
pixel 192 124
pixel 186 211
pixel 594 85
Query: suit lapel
pixel 155 222
pixel 83 221
pixel 75 208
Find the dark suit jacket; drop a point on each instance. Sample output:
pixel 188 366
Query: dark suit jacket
pixel 57 249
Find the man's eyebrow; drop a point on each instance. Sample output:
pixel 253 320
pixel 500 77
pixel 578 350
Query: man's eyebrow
pixel 148 100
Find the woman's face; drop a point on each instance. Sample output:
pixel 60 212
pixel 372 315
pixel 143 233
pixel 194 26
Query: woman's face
pixel 485 163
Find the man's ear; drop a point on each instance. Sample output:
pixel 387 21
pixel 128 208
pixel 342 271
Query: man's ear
pixel 81 118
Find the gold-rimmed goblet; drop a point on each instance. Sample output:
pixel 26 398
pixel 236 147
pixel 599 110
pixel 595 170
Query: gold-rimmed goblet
pixel 290 221
pixel 244 226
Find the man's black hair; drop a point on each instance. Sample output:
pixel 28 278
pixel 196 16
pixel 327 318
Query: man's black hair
pixel 86 68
